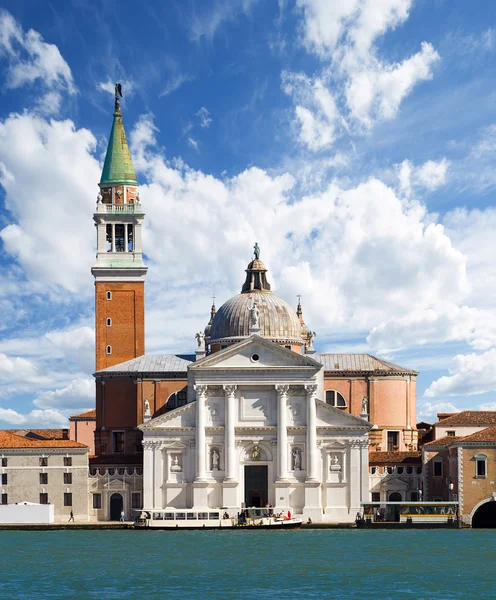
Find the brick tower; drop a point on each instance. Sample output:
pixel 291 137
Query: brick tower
pixel 119 270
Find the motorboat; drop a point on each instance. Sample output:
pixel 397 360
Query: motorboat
pixel 246 519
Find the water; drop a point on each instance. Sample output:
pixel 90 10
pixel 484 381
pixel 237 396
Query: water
pixel 303 564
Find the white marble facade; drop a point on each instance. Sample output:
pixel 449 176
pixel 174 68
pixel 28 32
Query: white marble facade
pixel 256 431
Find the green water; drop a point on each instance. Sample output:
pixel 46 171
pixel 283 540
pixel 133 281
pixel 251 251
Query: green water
pixel 248 565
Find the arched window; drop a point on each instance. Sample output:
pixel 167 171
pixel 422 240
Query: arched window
pixel 109 322
pixel 395 497
pixel 480 465
pixel 109 295
pixel 177 399
pixel 335 399
pixel 109 349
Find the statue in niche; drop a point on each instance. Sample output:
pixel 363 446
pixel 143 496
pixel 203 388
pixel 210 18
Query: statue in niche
pixel 296 410
pixel 255 315
pixel 296 459
pixel 176 466
pixel 311 337
pixel 214 413
pixel 256 250
pixel 200 339
pixel 147 407
pixel 215 456
pixel 256 453
pixel 365 406
pixel 335 464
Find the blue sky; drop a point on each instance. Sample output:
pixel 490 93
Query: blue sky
pixel 354 141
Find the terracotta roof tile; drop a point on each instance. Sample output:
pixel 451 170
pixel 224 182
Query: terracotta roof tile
pixel 470 417
pixel 89 414
pixel 486 435
pixel 8 439
pixel 395 458
pixel 47 434
pixel 445 441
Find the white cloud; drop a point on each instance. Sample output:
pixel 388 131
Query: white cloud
pixel 193 143
pixel 18 369
pixel 175 82
pixel 470 374
pixel 33 61
pixel 428 410
pixel 205 117
pixel 203 23
pixel 38 419
pixel 431 175
pixel 79 393
pixel 316 114
pixel 344 35
pixel 50 180
pixel 77 345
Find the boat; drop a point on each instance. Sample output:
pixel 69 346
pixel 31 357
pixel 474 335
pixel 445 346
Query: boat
pixel 248 519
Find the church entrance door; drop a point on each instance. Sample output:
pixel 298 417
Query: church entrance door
pixel 116 505
pixel 256 485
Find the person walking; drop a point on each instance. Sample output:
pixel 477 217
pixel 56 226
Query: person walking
pixel 122 516
pixel 71 517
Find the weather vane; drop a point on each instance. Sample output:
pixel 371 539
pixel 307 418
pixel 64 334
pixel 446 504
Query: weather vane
pixel 118 92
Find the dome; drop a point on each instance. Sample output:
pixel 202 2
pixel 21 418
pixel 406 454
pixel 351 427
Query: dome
pixel 278 319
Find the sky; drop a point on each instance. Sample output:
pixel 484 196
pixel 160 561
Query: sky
pixel 354 141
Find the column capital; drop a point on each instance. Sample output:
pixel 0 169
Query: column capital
pixel 282 389
pixel 229 390
pixel 201 390
pixel 311 389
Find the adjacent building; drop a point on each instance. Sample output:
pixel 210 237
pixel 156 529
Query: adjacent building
pixel 45 471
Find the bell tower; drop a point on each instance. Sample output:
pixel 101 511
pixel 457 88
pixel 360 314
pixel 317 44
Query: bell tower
pixel 119 270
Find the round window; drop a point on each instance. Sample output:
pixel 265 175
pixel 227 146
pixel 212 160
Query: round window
pixel 255 357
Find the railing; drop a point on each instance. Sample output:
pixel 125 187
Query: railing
pixel 119 208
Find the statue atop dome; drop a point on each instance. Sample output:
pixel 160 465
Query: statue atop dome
pixel 256 251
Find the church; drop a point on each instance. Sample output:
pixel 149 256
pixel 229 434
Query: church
pixel 254 417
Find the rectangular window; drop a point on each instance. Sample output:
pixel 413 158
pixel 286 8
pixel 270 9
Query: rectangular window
pixel 5 462
pixel 118 437
pixel 67 478
pixel 4 499
pixel 376 496
pixel 43 498
pixel 481 467
pixel 67 499
pixel 136 500
pixel 393 441
pixel 43 478
pixel 4 478
pixel 450 433
pixel 438 469
pixel 67 461
pixel 97 501
pixel 43 461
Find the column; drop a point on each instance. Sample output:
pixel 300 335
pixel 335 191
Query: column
pixel 282 432
pixel 113 237
pixel 229 432
pixel 158 477
pixel 312 473
pixel 355 476
pixel 126 241
pixel 148 475
pixel 201 396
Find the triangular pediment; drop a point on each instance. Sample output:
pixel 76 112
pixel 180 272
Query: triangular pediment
pixel 184 416
pixel 329 416
pixel 255 353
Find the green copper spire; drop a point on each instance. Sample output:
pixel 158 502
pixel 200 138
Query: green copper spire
pixel 118 166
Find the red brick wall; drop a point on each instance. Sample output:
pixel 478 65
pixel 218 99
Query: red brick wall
pixel 126 335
